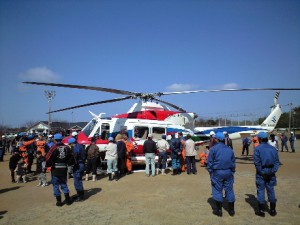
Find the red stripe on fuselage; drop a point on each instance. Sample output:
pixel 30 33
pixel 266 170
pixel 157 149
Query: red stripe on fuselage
pixel 148 115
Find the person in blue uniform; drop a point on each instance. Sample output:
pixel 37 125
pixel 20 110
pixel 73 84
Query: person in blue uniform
pixel 59 158
pixel 221 167
pixel 78 168
pixel 176 151
pixel 266 162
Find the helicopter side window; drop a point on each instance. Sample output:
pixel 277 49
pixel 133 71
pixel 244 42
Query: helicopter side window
pixel 89 127
pixel 157 132
pixel 105 131
pixel 141 132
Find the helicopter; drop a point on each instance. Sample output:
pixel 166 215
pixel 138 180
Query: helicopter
pixel 147 116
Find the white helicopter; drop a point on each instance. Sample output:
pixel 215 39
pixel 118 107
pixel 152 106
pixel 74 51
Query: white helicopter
pixel 236 132
pixel 145 117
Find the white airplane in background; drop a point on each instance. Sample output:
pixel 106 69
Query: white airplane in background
pixel 236 132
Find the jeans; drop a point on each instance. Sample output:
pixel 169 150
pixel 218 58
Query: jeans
pixel 176 163
pixel 61 182
pixel 162 160
pixel 112 165
pixel 191 163
pixel 150 158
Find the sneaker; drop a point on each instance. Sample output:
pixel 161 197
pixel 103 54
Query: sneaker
pixel 40 184
pixel 44 185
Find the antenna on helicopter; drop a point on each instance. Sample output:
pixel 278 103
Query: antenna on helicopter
pixel 97 116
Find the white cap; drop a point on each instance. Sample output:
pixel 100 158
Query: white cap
pixel 224 132
pixel 292 132
pixel 150 135
pixel 50 135
pixel 212 133
pixel 74 133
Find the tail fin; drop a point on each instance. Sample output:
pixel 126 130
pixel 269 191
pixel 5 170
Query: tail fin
pixel 276 112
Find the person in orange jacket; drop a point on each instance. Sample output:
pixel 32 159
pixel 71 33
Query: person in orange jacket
pixel 40 145
pixel 255 141
pixel 129 149
pixel 183 153
pixel 204 156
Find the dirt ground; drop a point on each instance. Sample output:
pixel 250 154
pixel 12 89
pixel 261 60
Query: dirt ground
pixel 137 199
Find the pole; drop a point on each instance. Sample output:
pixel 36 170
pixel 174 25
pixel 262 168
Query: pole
pixel 290 116
pixel 49 95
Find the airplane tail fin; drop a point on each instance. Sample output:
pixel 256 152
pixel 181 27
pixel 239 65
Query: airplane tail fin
pixel 273 118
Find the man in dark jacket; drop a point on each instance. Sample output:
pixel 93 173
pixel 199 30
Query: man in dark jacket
pixel 150 150
pixel 121 149
pixel 176 150
pixel 59 158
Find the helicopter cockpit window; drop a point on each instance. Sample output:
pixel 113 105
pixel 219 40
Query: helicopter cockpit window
pixel 104 131
pixel 89 127
pixel 157 132
pixel 141 132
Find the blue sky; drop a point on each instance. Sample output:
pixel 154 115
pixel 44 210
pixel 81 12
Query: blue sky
pixel 147 46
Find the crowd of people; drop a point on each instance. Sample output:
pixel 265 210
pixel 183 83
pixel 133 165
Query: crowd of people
pixel 218 158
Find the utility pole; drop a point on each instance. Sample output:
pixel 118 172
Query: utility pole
pixel 290 116
pixel 49 95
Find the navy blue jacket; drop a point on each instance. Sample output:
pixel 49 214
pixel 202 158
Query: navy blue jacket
pixel 220 157
pixel 175 146
pixel 266 159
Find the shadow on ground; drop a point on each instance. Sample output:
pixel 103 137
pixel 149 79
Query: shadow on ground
pixel 9 189
pixel 1 213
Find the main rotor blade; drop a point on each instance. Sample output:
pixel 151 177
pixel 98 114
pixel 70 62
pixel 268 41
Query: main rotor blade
pixel 111 90
pixel 223 90
pixel 170 104
pixel 92 103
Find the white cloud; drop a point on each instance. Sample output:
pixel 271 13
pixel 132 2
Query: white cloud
pixel 181 87
pixel 229 86
pixel 40 74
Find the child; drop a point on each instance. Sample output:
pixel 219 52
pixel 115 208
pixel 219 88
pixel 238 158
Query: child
pixel 41 169
pixel 21 170
pixel 13 162
pixel 203 157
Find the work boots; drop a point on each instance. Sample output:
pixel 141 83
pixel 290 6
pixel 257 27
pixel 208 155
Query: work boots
pixel 231 208
pixel 68 199
pixel 110 177
pixel 116 176
pixel 80 196
pixel 218 210
pixel 272 209
pixel 174 172
pixel 261 210
pixel 58 201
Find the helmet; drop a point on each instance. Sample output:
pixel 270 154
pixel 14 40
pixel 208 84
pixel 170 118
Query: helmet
pixel 57 136
pixel 74 133
pixel 262 135
pixel 110 139
pixel 71 140
pixel 211 133
pixel 220 136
